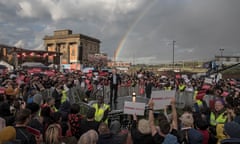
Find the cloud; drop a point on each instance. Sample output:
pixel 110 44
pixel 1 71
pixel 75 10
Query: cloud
pixel 200 28
pixel 20 44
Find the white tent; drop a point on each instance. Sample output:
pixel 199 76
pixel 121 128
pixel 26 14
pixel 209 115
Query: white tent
pixel 10 67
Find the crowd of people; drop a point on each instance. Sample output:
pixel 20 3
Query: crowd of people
pixel 29 114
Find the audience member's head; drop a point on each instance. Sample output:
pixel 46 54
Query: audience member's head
pixel 144 127
pixel 56 117
pixel 219 105
pixel 53 134
pixel 164 127
pixel 100 99
pixel 201 124
pixel 33 107
pixel 187 119
pixel 7 134
pixel 90 137
pixel 23 116
pixel 115 127
pixel 75 108
pixel 46 112
pixel 51 101
pixel 93 136
pixel 103 129
pixel 91 113
pixel 232 129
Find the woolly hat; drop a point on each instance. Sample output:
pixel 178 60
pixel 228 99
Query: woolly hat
pixel 232 129
pixel 7 134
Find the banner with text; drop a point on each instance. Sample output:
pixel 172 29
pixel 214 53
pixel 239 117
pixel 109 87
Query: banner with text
pixel 162 98
pixel 134 108
pixel 208 81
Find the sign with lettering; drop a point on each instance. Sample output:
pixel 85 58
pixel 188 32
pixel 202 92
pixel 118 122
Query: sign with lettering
pixel 162 98
pixel 134 108
pixel 208 81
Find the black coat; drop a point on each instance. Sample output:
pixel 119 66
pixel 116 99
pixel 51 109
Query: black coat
pixel 118 79
pixel 108 139
pixel 24 136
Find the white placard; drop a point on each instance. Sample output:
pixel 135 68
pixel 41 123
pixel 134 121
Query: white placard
pixel 162 98
pixel 208 81
pixel 134 108
pixel 184 76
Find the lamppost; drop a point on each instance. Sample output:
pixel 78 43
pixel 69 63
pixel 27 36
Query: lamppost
pixel 221 56
pixel 173 54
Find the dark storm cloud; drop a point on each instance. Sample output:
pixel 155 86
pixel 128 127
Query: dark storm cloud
pixel 200 27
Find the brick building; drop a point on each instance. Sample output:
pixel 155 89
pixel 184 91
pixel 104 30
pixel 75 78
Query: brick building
pixel 74 47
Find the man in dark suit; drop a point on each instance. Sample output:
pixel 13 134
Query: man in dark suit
pixel 115 80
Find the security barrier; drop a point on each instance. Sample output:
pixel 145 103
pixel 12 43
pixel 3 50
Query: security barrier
pixel 77 93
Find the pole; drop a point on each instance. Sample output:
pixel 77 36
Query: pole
pixel 221 51
pixel 173 53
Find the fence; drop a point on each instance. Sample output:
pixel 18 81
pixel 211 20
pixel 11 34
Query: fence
pixel 77 93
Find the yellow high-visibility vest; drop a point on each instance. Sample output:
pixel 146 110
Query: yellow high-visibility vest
pixel 181 87
pixel 221 119
pixel 64 96
pixel 168 88
pixel 199 103
pixel 195 94
pixel 100 111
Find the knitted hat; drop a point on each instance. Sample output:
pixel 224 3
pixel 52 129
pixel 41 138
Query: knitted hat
pixel 7 134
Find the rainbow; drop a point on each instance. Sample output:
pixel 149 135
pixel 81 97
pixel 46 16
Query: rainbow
pixel 120 46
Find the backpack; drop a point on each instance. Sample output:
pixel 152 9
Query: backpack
pixel 190 136
pixel 183 137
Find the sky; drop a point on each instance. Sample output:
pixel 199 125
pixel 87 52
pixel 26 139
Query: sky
pixel 138 31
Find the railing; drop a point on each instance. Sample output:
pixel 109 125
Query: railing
pixel 77 93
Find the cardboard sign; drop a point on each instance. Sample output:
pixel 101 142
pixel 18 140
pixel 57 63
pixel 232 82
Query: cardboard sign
pixel 208 81
pixel 134 108
pixel 162 98
pixel 184 76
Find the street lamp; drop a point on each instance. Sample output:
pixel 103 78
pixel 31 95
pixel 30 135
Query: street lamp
pixel 173 54
pixel 221 51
